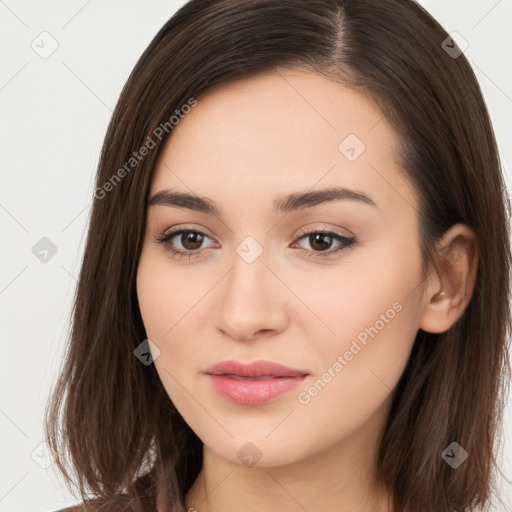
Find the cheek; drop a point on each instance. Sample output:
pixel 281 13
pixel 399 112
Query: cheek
pixel 355 374
pixel 156 301
pixel 359 300
pixel 164 296
pixel 373 312
pixel 170 301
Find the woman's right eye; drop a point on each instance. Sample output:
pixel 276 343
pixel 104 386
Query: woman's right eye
pixel 189 239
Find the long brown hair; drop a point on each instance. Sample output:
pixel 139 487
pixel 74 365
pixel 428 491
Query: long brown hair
pixel 110 420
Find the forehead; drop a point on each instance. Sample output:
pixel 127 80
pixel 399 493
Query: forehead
pixel 278 132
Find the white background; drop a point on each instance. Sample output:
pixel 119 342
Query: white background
pixel 54 115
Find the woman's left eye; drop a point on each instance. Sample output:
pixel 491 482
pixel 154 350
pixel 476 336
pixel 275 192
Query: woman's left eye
pixel 191 241
pixel 321 238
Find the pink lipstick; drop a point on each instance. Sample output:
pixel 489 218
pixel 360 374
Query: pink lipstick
pixel 254 383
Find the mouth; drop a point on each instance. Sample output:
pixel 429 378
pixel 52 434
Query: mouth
pixel 255 383
pixel 239 377
pixel 256 370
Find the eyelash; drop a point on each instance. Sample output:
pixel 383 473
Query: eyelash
pixel 347 242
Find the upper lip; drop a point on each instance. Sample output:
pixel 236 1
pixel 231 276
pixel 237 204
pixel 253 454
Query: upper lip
pixel 255 369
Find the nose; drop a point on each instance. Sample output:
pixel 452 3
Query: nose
pixel 252 302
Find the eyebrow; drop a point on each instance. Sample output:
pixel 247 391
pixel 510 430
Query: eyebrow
pixel 291 202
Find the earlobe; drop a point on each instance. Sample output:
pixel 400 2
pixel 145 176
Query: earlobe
pixel 450 286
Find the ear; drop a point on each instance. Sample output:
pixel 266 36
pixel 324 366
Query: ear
pixel 449 287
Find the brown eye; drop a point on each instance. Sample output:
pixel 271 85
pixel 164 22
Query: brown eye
pixel 191 240
pixel 183 242
pixel 321 241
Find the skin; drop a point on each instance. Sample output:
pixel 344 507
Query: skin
pixel 244 145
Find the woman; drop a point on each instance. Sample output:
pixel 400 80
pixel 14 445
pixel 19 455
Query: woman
pixel 294 293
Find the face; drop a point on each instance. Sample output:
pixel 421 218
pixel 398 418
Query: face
pixel 273 268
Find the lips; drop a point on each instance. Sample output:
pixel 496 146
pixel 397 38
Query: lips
pixel 258 369
pixel 254 383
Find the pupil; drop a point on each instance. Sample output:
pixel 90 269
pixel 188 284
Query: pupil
pixel 318 237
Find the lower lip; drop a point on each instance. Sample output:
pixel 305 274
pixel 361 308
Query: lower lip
pixel 253 392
